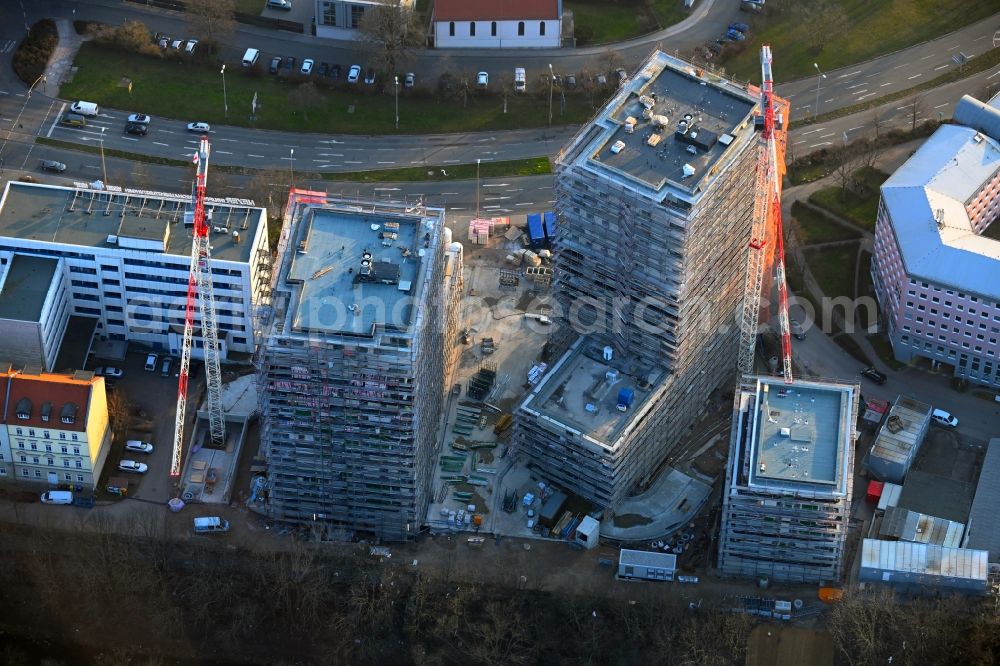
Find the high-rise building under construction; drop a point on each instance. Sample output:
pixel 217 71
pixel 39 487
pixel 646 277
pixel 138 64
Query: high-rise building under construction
pixel 655 199
pixel 356 348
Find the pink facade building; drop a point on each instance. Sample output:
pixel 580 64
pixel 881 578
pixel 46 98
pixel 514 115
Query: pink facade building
pixel 936 262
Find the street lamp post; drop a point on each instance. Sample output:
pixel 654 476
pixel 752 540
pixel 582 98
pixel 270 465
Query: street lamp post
pixel 225 98
pixel 819 77
pixel 552 77
pixel 291 167
pixel 396 78
pixel 477 187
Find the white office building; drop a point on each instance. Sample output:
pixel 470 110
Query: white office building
pixel 122 259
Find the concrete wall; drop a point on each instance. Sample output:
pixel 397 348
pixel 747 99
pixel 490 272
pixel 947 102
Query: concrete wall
pixel 498 34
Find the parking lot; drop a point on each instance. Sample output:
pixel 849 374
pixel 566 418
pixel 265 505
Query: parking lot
pixel 152 404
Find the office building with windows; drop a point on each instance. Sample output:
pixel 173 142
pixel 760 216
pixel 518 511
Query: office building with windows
pixel 936 262
pixel 121 260
pixel 340 19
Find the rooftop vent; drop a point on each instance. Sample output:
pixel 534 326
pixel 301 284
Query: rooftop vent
pixel 939 217
pixel 609 353
pixel 688 170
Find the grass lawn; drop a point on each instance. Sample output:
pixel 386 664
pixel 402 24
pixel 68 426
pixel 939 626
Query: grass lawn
pixel 865 288
pixel 253 7
pixel 602 22
pixel 193 91
pixel 833 268
pixel 798 175
pixel 812 227
pixel 835 33
pixel 861 210
pixel 532 166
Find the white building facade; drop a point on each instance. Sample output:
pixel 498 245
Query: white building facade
pixel 936 261
pixel 337 19
pixel 124 258
pixel 497 24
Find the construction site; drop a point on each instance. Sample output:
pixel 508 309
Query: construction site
pixel 787 500
pixel 355 351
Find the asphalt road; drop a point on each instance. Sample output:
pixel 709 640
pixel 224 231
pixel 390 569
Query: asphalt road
pixel 317 152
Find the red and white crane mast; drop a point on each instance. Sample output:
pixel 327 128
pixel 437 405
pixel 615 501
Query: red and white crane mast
pixel 200 289
pixel 766 220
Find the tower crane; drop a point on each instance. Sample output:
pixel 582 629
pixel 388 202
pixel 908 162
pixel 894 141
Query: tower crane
pixel 200 289
pixel 766 221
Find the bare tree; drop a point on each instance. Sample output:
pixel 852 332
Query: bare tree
pixel 876 121
pixel 914 108
pixel 305 98
pixel 119 415
pixel 391 33
pixel 506 87
pixel 848 161
pixel 212 21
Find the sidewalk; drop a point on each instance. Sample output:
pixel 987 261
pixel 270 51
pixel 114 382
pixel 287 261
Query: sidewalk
pixel 61 63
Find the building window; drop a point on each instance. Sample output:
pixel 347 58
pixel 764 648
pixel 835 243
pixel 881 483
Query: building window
pixel 76 450
pixel 24 472
pixel 75 437
pixel 520 28
pixel 34 459
pixel 65 449
pixel 79 477
pixel 38 473
pixel 79 464
pixel 51 462
pixel 356 14
pixel 65 462
pixel 69 477
pixel 451 29
pixel 472 29
pixel 24 459
pixel 541 28
pixel 493 29
pixel 62 435
pixel 19 431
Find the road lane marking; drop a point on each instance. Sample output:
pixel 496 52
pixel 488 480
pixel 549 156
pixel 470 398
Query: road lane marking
pixel 825 143
pixel 927 57
pixel 993 74
pixel 886 84
pixel 901 66
pixel 249 155
pixel 160 143
pixel 941 67
pixel 56 120
pixel 223 152
pixel 940 105
pixel 844 76
pixel 868 95
pixel 915 76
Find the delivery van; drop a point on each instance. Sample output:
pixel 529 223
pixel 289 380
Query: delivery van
pixel 209 524
pixel 57 497
pixel 82 108
pixel 250 57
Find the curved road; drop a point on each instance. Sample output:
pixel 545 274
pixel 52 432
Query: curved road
pixel 346 153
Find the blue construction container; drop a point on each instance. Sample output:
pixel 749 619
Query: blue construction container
pixel 549 223
pixel 536 232
pixel 626 397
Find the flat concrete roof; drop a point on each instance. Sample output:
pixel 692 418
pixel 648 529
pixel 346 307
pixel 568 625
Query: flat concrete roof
pixel 87 218
pixel 25 284
pixel 358 269
pixel 801 431
pixel 693 115
pixel 898 446
pixel 936 495
pixel 580 393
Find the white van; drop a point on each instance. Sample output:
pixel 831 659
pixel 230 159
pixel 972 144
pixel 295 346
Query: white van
pixel 88 109
pixel 57 497
pixel 209 524
pixel 519 80
pixel 250 57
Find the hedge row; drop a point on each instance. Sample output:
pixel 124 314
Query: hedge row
pixel 32 56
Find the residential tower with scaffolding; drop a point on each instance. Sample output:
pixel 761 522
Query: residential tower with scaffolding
pixel 357 345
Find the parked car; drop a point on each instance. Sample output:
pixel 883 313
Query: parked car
pixel 335 72
pixel 280 4
pixel 136 128
pixel 622 75
pixel 275 64
pixel 735 35
pixel 570 82
pixel 740 27
pixel 323 70
pixel 354 73
pixel 370 76
pixel 52 165
pixel 409 80
pixel 133 466
pixel 797 331
pixel 482 80
pixel 601 80
pixel 177 44
pixel 165 365
pixel 189 47
pixel 137 445
pixel 307 67
pixel 198 127
pixel 151 360
pixel 109 371
pixel 874 375
pixel 140 118
pixel 290 63
pixel 943 418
